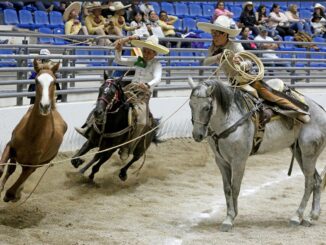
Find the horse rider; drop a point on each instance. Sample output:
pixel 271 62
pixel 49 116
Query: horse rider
pixel 222 32
pixel 148 74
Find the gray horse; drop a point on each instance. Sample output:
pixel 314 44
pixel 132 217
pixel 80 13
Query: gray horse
pixel 216 107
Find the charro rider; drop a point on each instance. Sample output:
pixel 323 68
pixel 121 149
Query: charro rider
pixel 148 73
pixel 221 32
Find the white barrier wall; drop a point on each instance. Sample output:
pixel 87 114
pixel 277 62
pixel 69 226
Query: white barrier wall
pixel 75 114
pixel 173 112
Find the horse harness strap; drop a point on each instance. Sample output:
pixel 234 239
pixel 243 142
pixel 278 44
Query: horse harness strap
pixel 216 137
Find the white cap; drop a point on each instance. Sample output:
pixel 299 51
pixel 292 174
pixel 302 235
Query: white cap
pixel 44 52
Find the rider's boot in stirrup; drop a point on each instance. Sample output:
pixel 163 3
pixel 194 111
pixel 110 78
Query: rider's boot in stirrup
pixel 82 131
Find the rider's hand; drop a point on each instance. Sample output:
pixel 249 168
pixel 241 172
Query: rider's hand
pixel 118 45
pixel 236 60
pixel 144 85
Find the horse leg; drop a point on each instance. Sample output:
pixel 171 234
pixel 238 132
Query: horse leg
pixel 88 165
pixel 104 157
pixel 225 170
pixel 4 159
pixel 237 176
pixel 315 211
pixel 307 165
pixel 12 191
pixel 10 170
pixel 85 148
pixel 123 171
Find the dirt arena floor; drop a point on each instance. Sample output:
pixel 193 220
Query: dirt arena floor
pixel 176 199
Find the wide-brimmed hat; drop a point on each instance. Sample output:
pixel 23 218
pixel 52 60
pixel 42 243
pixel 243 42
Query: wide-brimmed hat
pixel 73 6
pixel 152 43
pixel 318 5
pixel 45 51
pixel 115 6
pixel 222 23
pixel 247 3
pixel 95 5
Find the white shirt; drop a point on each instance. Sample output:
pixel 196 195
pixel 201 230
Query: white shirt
pixel 268 39
pixel 280 19
pixel 151 74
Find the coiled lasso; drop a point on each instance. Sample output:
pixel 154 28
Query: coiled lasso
pixel 243 77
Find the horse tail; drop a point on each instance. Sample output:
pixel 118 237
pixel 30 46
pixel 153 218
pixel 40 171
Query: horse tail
pixel 156 137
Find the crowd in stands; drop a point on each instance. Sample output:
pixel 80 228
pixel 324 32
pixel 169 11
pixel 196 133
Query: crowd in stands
pixel 165 19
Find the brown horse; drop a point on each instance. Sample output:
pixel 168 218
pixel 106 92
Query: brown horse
pixel 37 137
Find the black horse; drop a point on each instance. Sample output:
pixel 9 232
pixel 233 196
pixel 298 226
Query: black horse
pixel 111 128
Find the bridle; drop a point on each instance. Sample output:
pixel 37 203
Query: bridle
pixel 205 124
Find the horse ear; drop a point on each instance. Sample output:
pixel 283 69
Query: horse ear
pixel 191 82
pixel 105 75
pixel 36 65
pixel 210 90
pixel 55 68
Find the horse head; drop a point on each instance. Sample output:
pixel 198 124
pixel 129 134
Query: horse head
pixel 109 92
pixel 201 108
pixel 45 86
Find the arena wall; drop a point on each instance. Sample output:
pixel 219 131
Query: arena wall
pixel 174 114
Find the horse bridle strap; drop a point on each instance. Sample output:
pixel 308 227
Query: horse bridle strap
pixel 233 128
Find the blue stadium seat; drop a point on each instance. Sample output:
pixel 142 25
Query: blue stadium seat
pixel 195 10
pixel 208 10
pixel 301 54
pixel 305 14
pixel 10 17
pixel 318 56
pixel 26 19
pixel 306 5
pixel 268 4
pixel 237 12
pixel 156 6
pixel 206 35
pixel 80 53
pixel 181 9
pixel 190 23
pixel 41 19
pixel 7 62
pixel 59 41
pixel 168 7
pixel 202 19
pixel 178 24
pixel 99 62
pixel 45 40
pixel 288 39
pixel 56 20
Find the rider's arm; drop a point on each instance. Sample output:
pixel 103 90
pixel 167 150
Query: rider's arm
pixel 210 60
pixel 157 75
pixel 130 61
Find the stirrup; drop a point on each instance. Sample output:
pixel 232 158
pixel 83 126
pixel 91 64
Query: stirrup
pixel 81 131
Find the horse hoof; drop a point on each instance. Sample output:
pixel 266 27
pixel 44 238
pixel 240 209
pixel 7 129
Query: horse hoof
pixel 77 162
pixel 9 197
pixel 225 227
pixel 295 221
pixel 306 222
pixel 314 215
pixel 123 176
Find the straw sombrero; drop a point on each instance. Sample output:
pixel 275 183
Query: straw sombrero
pixel 115 6
pixel 95 5
pixel 73 6
pixel 318 5
pixel 222 23
pixel 152 43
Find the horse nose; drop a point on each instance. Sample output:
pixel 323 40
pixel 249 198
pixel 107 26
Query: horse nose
pixel 198 137
pixel 98 113
pixel 44 108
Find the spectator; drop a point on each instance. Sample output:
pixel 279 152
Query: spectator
pixel 153 26
pixel 96 24
pixel 318 27
pixel 166 23
pixel 280 21
pixel 245 35
pixel 319 10
pixel 130 12
pixel 297 24
pixel 272 32
pixel 220 10
pixel 73 25
pixel 138 21
pixel 248 18
pixel 119 22
pixel 261 15
pixel 50 63
pixel 268 45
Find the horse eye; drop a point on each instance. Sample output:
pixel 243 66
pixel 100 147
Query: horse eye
pixel 207 108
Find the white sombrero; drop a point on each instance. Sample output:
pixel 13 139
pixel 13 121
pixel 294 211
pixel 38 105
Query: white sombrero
pixel 318 5
pixel 222 23
pixel 73 6
pixel 115 6
pixel 152 43
pixel 95 5
pixel 247 3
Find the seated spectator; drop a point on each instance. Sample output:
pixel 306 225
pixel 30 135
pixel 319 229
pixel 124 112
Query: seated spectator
pixel 118 20
pixel 96 24
pixel 220 10
pixel 297 24
pixel 138 21
pixel 248 18
pixel 245 35
pixel 153 26
pixel 272 32
pixel 45 60
pixel 319 10
pixel 268 45
pixel 73 25
pixel 261 15
pixel 166 23
pixel 280 21
pixel 318 27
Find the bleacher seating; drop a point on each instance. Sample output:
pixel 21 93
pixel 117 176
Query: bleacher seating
pixel 168 7
pixel 181 9
pixel 10 17
pixel 190 23
pixel 56 20
pixel 178 25
pixel 195 10
pixel 41 19
pixel 45 40
pixel 80 53
pixel 59 41
pixel 99 62
pixel 7 62
pixel 208 10
pixel 26 19
pixel 156 6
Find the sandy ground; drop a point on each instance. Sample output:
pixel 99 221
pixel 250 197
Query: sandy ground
pixel 176 199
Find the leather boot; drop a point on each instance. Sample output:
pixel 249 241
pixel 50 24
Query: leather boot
pixel 82 130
